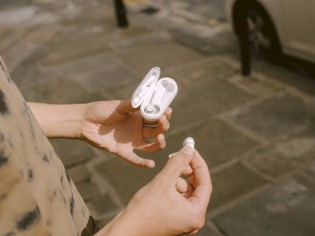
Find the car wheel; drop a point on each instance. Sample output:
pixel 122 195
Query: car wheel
pixel 262 37
pixel 257 35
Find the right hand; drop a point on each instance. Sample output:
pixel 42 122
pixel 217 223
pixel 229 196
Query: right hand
pixel 168 205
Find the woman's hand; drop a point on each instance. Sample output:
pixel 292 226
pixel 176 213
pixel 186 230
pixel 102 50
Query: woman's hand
pixel 119 128
pixel 114 126
pixel 168 205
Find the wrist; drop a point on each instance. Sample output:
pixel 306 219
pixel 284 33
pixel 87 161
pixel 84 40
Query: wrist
pixel 59 121
pixel 123 224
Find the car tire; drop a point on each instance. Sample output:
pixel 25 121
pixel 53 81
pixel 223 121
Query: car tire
pixel 257 35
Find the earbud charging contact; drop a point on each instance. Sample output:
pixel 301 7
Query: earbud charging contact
pixel 154 95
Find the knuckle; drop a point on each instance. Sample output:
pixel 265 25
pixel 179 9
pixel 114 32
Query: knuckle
pixel 167 126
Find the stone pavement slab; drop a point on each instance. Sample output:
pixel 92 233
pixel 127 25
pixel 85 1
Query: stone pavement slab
pixel 8 3
pixel 297 78
pixel 283 156
pixel 232 183
pixel 125 178
pixel 72 152
pixel 101 204
pixel 285 209
pixel 279 116
pixel 88 190
pixel 258 85
pixel 79 174
pixel 212 68
pixel 310 170
pixel 202 101
pixel 217 141
pixel 96 74
pixel 166 55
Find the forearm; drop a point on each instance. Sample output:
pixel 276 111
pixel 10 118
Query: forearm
pixel 59 121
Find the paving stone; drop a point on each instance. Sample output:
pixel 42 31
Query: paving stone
pixel 34 58
pixel 232 183
pixel 102 204
pixel 87 97
pixel 210 40
pixel 125 178
pixel 154 55
pixel 14 3
pixel 26 77
pixel 217 67
pixel 97 15
pixel 72 152
pixel 310 170
pixel 285 209
pixel 27 74
pixel 76 48
pixel 90 75
pixel 215 140
pixel 123 92
pixel 79 174
pixel 206 231
pixel 258 85
pixel 125 43
pixel 15 51
pixel 88 190
pixel 56 91
pixel 4 31
pixel 278 116
pixel 283 156
pixel 200 101
pixel 97 73
pixel 271 162
pixel 295 75
pixel 135 31
pixel 192 11
pixel 61 91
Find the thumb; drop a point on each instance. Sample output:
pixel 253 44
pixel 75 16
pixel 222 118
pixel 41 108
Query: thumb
pixel 125 106
pixel 178 163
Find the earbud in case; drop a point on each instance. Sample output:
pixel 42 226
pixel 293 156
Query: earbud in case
pixel 154 95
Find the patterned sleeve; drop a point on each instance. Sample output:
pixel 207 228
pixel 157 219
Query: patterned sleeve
pixel 37 196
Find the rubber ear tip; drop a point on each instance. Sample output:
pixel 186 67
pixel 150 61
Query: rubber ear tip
pixel 189 141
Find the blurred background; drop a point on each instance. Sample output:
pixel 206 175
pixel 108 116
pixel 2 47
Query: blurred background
pixel 246 94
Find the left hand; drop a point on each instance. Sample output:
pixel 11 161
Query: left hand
pixel 119 128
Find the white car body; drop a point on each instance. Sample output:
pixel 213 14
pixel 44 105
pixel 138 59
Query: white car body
pixel 294 21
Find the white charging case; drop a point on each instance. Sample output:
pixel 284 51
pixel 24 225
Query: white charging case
pixel 154 95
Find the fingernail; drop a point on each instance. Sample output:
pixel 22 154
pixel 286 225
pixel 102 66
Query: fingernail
pixel 151 164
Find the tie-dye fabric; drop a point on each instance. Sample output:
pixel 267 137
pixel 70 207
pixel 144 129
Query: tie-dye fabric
pixel 37 196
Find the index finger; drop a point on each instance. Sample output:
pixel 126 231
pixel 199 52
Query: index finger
pixel 177 164
pixel 203 184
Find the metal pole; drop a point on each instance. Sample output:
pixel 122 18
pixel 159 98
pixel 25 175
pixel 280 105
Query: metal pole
pixel 121 14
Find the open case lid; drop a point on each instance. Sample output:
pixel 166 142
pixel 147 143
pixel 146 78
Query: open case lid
pixel 145 87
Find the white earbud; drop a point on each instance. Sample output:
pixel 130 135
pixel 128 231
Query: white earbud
pixel 189 141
